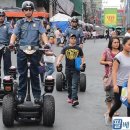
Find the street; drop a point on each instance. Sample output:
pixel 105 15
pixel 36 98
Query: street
pixel 89 115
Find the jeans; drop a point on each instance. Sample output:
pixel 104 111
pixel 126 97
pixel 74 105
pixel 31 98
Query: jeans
pixel 34 74
pixel 72 78
pixel 117 104
pixel 49 69
pixel 6 59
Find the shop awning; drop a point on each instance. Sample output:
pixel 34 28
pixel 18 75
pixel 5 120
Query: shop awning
pixel 19 14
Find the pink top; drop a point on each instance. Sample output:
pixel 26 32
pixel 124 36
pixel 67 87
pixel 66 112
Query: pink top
pixel 109 56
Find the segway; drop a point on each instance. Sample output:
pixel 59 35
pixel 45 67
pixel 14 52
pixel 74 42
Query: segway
pixel 9 82
pixel 29 112
pixel 61 82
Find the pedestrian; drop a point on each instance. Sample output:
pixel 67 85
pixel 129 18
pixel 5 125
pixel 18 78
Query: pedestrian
pixel 107 60
pixel 113 33
pixel 28 29
pixel 128 32
pixel 75 29
pixel 49 57
pixel 58 35
pixel 107 34
pixel 5 33
pixel 120 74
pixel 71 51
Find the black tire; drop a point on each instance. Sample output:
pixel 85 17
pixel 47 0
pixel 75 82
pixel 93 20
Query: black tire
pixel 48 110
pixel 59 81
pixel 82 82
pixel 8 114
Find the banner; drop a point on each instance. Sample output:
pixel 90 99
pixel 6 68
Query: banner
pixel 110 17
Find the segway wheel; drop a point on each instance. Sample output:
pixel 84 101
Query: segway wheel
pixel 59 81
pixel 8 110
pixel 82 82
pixel 48 110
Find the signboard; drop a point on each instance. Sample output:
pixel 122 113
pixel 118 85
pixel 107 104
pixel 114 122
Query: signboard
pixel 110 16
pixel 121 123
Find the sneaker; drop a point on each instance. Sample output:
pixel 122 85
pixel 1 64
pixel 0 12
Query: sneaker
pixel 69 100
pixel 107 120
pixel 19 99
pixel 75 103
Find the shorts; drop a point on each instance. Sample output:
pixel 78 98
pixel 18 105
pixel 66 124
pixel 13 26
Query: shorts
pixel 109 95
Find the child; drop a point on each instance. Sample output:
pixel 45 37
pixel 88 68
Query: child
pixel 49 65
pixel 71 51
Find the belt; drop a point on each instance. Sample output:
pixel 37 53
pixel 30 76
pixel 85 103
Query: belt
pixel 29 47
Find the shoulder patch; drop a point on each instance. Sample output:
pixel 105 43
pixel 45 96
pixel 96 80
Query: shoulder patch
pixel 36 19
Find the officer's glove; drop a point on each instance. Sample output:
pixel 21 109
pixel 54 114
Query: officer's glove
pixel 83 67
pixel 11 46
pixel 59 67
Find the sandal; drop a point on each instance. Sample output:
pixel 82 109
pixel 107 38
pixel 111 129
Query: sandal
pixel 116 114
pixel 106 113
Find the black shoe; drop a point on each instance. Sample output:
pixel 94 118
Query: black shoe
pixel 75 103
pixel 37 100
pixel 19 100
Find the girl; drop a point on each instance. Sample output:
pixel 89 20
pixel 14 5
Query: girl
pixel 107 60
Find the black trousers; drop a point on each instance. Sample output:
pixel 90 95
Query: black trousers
pixel 117 104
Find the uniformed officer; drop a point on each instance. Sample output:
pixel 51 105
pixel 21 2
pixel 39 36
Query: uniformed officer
pixel 5 33
pixel 76 30
pixel 28 30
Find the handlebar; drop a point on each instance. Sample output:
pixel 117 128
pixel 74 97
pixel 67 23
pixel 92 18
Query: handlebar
pixel 31 49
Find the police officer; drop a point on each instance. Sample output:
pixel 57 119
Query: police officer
pixel 28 30
pixel 5 33
pixel 76 30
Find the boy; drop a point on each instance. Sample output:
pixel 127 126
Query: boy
pixel 49 65
pixel 71 51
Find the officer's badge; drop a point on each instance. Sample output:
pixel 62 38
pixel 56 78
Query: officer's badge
pixel 34 25
pixel 4 27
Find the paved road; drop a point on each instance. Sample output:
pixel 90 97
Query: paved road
pixel 89 114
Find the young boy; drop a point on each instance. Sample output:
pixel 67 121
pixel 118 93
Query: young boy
pixel 49 66
pixel 71 51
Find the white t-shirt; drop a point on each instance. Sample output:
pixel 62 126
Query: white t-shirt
pixel 124 68
pixel 127 34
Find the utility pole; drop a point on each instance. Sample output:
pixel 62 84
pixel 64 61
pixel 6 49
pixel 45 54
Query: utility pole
pixel 82 10
pixel 50 8
pixel 85 10
pixel 94 13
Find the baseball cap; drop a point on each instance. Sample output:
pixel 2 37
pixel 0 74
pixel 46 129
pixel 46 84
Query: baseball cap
pixel 72 35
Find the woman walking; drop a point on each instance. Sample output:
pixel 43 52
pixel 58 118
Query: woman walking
pixel 107 60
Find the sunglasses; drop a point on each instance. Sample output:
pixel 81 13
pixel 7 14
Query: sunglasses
pixel 28 9
pixel 74 21
pixel 2 15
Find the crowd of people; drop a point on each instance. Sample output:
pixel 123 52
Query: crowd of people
pixel 115 58
pixel 31 31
